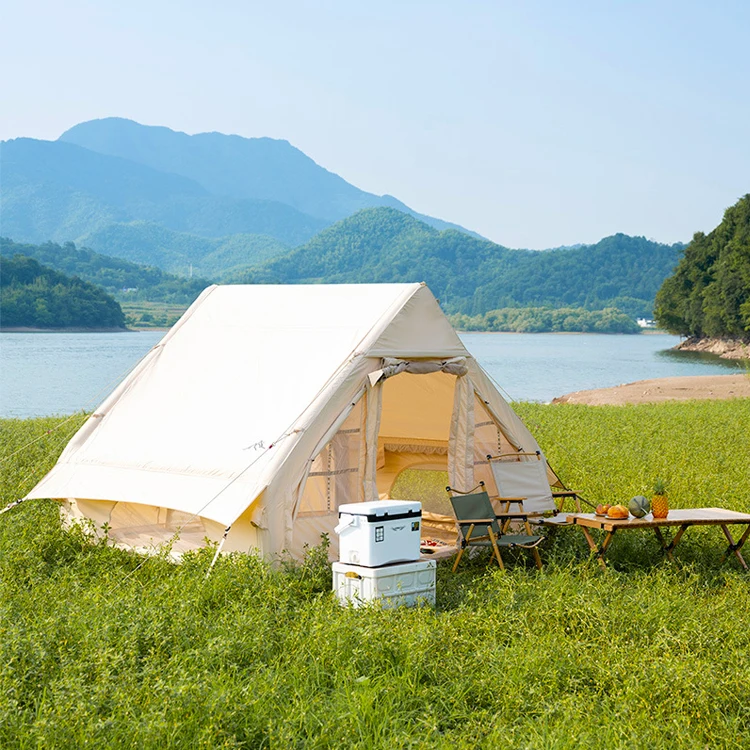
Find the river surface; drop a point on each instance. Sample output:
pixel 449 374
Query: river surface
pixel 61 373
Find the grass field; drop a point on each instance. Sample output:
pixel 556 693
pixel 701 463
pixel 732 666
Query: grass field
pixel 140 314
pixel 100 648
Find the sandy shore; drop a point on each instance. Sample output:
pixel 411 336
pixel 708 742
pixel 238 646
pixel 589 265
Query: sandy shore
pixel 663 389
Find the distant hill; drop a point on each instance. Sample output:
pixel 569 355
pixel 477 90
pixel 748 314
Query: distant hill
pixel 709 293
pixel 243 168
pixel 149 194
pixel 122 279
pixel 151 244
pixel 473 276
pixel 60 191
pixel 34 296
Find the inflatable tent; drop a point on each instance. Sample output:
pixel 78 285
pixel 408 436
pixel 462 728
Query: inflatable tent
pixel 266 407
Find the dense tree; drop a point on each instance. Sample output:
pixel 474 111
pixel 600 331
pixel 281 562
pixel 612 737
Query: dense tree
pixel 470 275
pixel 545 319
pixel 709 293
pixel 34 296
pixel 120 278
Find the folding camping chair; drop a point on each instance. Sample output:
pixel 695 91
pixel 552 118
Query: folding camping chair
pixel 480 526
pixel 518 477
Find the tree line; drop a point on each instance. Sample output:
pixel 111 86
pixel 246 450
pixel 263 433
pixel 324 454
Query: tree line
pixel 473 276
pixel 546 319
pixel 708 295
pixel 120 278
pixel 33 296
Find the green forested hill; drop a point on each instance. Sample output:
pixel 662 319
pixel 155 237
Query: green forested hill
pixel 473 276
pixel 709 293
pixel 113 274
pixel 151 244
pixel 34 296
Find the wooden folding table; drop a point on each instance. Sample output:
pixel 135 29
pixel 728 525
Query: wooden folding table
pixel 681 517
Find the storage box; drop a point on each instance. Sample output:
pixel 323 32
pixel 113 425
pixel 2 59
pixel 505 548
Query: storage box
pixel 379 532
pixel 401 584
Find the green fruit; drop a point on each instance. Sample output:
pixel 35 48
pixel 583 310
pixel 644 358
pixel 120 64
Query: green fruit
pixel 639 506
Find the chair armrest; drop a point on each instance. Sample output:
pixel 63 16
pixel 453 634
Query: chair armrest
pixel 563 495
pixel 499 517
pixel 475 521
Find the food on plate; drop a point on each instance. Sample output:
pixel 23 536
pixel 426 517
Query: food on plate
pixel 617 511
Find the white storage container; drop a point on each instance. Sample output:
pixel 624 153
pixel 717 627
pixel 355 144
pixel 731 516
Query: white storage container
pixel 402 584
pixel 379 532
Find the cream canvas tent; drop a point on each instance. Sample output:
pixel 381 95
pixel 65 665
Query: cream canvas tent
pixel 266 407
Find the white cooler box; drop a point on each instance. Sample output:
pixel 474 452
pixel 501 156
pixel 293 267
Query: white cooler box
pixel 379 532
pixel 402 584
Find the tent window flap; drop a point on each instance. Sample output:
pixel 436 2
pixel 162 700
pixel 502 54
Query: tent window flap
pixel 334 474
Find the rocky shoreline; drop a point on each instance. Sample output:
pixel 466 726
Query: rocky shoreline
pixel 725 348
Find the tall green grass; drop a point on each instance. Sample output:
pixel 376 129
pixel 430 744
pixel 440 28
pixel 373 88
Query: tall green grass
pixel 101 648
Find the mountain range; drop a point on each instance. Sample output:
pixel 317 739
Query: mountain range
pixel 235 209
pixel 115 177
pixel 472 275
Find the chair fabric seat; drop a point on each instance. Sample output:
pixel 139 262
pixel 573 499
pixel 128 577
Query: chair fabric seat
pixel 559 520
pixel 507 540
pixel 519 540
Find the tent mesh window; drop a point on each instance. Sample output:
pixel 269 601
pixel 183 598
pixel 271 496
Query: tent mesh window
pixel 334 475
pixel 426 486
pixel 488 440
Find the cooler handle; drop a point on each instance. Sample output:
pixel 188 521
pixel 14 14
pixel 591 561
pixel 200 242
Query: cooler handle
pixel 345 524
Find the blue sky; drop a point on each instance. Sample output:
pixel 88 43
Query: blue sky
pixel 535 123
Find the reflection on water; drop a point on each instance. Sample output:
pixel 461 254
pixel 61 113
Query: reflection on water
pixel 60 373
pixel 701 358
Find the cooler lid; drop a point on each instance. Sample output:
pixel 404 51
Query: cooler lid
pixel 383 509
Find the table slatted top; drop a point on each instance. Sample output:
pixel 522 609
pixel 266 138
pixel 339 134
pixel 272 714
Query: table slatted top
pixel 677 517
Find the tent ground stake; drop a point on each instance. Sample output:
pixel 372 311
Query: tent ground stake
pixel 218 552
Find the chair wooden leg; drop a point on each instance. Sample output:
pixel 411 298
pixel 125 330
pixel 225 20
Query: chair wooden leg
pixel 534 550
pixel 496 551
pixel 464 544
pixel 458 559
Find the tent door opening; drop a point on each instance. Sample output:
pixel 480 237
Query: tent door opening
pixel 406 438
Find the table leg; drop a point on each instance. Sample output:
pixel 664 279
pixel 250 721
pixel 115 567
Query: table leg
pixel 606 542
pixel 593 546
pixel 677 537
pixel 735 548
pixel 667 549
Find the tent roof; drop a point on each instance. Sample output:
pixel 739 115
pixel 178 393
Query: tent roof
pixel 236 373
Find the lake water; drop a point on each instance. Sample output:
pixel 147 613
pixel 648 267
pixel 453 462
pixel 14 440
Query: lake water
pixel 61 373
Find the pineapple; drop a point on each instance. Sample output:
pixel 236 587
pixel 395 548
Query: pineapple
pixel 659 504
